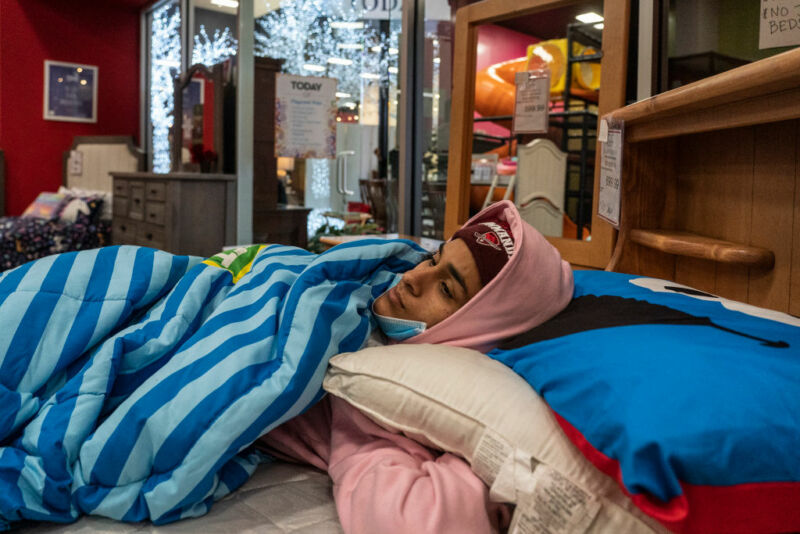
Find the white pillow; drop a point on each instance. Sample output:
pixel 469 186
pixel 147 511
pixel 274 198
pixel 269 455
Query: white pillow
pixel 461 401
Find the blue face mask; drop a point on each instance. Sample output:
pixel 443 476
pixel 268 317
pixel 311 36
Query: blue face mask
pixel 399 329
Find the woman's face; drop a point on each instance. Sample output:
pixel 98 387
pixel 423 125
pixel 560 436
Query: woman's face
pixel 434 289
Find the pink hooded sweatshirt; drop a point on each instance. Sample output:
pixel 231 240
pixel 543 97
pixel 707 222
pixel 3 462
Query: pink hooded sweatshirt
pixel 388 483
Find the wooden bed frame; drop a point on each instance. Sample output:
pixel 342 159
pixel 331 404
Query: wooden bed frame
pixel 711 185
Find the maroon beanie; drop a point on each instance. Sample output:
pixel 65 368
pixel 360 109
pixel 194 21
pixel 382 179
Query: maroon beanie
pixel 491 244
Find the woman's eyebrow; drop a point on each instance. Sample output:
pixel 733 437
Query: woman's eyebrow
pixel 453 271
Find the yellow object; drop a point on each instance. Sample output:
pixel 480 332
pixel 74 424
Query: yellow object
pixel 553 54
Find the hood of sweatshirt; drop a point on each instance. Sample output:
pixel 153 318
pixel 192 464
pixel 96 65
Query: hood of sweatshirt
pixel 533 286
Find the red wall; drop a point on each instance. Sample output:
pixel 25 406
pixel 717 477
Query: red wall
pixel 75 31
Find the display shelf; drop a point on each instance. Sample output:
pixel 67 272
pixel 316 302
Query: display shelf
pixel 693 245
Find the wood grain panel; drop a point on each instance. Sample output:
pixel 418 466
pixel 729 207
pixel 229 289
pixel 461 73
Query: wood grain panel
pixel 794 290
pixel 715 187
pixel 773 211
pixel 696 273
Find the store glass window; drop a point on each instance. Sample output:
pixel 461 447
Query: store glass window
pixel 355 43
pixel 437 88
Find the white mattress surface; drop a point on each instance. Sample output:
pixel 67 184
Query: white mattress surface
pixel 280 498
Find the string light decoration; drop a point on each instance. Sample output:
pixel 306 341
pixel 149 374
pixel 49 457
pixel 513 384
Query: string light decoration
pixel 165 64
pixel 212 50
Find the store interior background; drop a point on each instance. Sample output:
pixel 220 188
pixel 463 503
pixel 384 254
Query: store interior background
pixel 139 48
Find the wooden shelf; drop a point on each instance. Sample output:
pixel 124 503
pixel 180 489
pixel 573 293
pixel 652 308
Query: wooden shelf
pixel 698 246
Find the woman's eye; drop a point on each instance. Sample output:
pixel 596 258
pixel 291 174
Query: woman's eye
pixel 432 260
pixel 446 291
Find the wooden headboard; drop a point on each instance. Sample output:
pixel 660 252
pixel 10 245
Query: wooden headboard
pixel 711 185
pixel 100 155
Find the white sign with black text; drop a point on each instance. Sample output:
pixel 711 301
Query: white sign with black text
pixel 779 23
pixel 610 137
pixel 305 116
pixel 531 101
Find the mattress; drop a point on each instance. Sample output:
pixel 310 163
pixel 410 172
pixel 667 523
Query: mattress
pixel 280 498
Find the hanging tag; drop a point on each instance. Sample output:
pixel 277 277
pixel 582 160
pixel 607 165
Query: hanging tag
pixel 602 133
pixel 489 456
pixel 556 506
pixel 608 205
pixel 531 101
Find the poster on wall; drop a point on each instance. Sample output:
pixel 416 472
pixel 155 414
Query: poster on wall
pixel 779 23
pixel 70 92
pixel 305 116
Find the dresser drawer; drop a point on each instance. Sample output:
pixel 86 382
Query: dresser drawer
pixel 156 191
pixel 120 188
pixel 151 235
pixel 136 201
pixel 120 208
pixel 123 232
pixel 154 212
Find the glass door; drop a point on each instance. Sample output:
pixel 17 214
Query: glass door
pixel 354 42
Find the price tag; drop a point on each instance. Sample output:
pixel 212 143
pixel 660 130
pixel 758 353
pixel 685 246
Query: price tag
pixel 531 109
pixel 608 205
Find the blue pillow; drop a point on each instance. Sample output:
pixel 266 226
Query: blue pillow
pixel 690 401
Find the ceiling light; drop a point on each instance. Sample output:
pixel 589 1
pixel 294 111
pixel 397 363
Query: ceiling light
pixel 315 68
pixel 225 3
pixel 375 48
pixel 393 51
pixel 599 26
pixel 589 17
pixel 351 105
pixel 349 46
pixel 342 25
pixel 340 61
pixel 437 60
pixel 393 70
pixel 342 95
pixel 370 76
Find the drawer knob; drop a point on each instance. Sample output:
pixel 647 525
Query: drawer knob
pixel 137 200
pixel 123 228
pixel 149 236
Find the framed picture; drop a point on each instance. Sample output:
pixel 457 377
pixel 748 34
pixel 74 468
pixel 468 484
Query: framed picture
pixel 70 92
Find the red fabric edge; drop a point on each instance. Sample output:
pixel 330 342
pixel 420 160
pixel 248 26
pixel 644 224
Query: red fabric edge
pixel 759 507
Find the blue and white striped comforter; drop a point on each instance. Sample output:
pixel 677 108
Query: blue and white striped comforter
pixel 133 381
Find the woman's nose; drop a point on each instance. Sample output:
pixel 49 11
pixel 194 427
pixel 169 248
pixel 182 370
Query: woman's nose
pixel 414 279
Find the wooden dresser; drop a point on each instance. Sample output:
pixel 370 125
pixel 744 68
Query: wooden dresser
pixel 181 213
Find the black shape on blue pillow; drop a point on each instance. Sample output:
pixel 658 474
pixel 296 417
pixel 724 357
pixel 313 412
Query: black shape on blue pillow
pixel 591 312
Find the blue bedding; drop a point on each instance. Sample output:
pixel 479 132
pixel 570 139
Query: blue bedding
pixel 132 381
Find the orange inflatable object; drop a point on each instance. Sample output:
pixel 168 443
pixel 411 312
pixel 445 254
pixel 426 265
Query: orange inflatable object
pixel 494 86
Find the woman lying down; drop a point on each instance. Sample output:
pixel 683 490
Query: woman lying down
pixel 133 382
